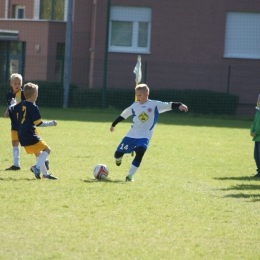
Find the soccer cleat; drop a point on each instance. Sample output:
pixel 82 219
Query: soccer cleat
pixel 118 161
pixel 256 176
pixel 36 172
pixel 129 178
pixel 50 177
pixel 47 164
pixel 13 168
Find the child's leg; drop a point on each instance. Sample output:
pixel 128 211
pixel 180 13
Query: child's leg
pixel 43 167
pixel 42 158
pixel 118 156
pixel 140 151
pixel 16 157
pixel 126 146
pixel 257 156
pixel 16 153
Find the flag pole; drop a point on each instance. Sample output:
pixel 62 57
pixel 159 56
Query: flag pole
pixel 138 72
pixel 138 76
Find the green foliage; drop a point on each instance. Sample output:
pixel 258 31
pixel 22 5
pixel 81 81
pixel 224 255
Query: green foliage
pixel 192 198
pixel 51 94
pixel 4 89
pixel 86 98
pixel 200 101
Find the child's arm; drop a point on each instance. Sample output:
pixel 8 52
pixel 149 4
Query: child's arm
pixel 124 115
pixel 49 123
pixel 252 129
pixel 255 127
pixel 181 106
pixel 6 113
pixel 119 119
pixel 12 107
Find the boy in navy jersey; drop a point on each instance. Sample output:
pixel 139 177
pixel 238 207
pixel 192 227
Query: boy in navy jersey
pixel 28 118
pixel 16 93
pixel 145 113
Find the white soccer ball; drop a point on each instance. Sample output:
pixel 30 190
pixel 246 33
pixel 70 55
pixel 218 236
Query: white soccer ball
pixel 100 171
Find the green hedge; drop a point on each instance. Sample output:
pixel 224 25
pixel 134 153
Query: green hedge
pixel 198 101
pixel 201 101
pixel 50 93
pixel 4 88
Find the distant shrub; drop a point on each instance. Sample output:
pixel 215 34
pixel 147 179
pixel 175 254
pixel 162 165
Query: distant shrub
pixel 51 94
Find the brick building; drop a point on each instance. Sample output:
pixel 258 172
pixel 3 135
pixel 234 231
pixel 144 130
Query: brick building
pixel 184 44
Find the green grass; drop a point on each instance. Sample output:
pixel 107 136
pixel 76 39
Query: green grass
pixel 192 198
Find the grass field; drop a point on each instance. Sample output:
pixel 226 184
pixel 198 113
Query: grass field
pixel 192 198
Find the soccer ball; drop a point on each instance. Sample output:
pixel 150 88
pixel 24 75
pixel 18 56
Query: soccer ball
pixel 100 171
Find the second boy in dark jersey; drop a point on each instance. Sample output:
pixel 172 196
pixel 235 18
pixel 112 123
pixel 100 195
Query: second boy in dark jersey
pixel 28 118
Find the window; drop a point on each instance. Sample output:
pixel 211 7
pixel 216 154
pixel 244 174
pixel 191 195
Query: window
pixel 130 29
pixel 242 39
pixel 12 57
pixel 19 11
pixel 59 63
pixel 52 10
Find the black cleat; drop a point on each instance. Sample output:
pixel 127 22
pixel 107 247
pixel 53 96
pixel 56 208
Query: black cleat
pixel 129 178
pixel 13 168
pixel 50 177
pixel 36 172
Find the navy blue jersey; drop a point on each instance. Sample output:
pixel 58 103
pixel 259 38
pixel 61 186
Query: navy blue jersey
pixel 18 96
pixel 28 118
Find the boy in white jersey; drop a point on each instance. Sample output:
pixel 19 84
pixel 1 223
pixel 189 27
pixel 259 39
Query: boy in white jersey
pixel 145 113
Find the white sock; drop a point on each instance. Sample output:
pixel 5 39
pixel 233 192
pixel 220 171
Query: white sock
pixel 132 170
pixel 16 155
pixel 42 159
pixel 43 167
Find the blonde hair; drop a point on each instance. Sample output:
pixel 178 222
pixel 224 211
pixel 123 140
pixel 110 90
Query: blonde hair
pixel 30 89
pixel 16 76
pixel 142 87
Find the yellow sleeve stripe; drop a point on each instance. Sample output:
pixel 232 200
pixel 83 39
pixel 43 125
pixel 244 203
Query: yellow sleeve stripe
pixel 18 96
pixel 37 122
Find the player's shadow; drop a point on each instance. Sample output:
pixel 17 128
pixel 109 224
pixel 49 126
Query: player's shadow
pixel 243 187
pixel 252 197
pixel 103 180
pixel 16 179
pixel 240 178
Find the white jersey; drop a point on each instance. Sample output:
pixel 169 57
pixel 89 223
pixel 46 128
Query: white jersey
pixel 145 117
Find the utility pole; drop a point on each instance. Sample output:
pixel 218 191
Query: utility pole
pixel 104 90
pixel 66 78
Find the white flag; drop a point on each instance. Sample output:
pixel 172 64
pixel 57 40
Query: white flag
pixel 138 71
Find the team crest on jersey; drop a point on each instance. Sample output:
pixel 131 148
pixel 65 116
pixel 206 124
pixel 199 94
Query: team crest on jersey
pixel 149 110
pixel 143 117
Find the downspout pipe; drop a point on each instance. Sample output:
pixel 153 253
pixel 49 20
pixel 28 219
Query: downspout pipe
pixel 6 8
